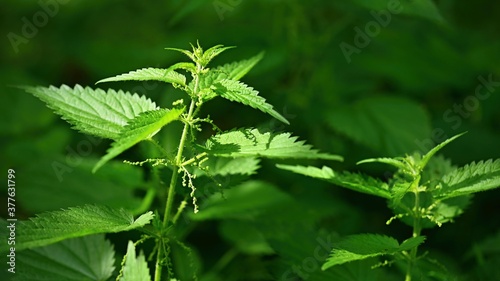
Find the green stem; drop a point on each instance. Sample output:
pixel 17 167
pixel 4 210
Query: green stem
pixel 173 181
pixel 417 228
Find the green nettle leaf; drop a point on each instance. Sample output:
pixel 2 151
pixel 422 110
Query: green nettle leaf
pixel 363 246
pixel 212 52
pixel 95 112
pixel 136 267
pixel 51 227
pixel 239 92
pixel 157 74
pixel 143 127
pixel 356 182
pixel 83 258
pixel 236 70
pixel 253 143
pixel 471 178
pixel 224 166
pixel 426 158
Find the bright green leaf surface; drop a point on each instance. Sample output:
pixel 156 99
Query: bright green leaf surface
pixel 157 74
pixel 89 258
pixel 356 182
pixel 95 112
pixel 51 227
pixel 136 267
pixel 143 127
pixel 239 92
pixel 253 143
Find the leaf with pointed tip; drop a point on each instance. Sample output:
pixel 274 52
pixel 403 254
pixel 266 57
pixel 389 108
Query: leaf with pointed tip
pixel 438 147
pixel 143 127
pixel 212 52
pixel 88 258
pixel 136 267
pixel 363 246
pixel 239 92
pixel 253 143
pixel 51 227
pixel 390 161
pixel 145 74
pixel 471 178
pixel 356 182
pixel 188 66
pixel 95 112
pixel 236 70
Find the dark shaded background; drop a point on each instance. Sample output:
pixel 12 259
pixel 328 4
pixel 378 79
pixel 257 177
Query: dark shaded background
pixel 399 93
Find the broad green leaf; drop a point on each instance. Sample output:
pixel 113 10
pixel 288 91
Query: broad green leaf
pixel 363 246
pixel 224 166
pixel 471 178
pixel 51 227
pixel 136 267
pixel 236 70
pixel 89 258
pixel 389 125
pixel 212 52
pixel 253 143
pixel 95 112
pixel 356 182
pixel 428 155
pixel 143 127
pixel 75 185
pixel 239 92
pixel 157 74
pixel 245 201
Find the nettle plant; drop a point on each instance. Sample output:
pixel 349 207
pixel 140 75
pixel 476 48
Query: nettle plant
pixel 128 119
pixel 425 191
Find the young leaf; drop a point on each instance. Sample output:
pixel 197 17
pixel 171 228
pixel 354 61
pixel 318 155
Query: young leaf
pixel 356 182
pixel 253 143
pixel 136 267
pixel 51 227
pixel 212 52
pixel 363 246
pixel 83 258
pixel 93 112
pixel 471 178
pixel 143 127
pixel 239 92
pixel 158 74
pixel 236 70
pixel 428 155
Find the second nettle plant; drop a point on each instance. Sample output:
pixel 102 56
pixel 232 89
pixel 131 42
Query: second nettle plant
pixel 424 192
pixel 128 119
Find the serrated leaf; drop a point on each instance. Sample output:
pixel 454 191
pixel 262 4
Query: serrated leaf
pixel 212 52
pixel 363 246
pixel 136 267
pixel 236 70
pixel 229 166
pixel 253 143
pixel 83 258
pixel 51 227
pixel 356 182
pixel 188 66
pixel 471 178
pixel 143 127
pixel 146 74
pixel 239 92
pixel 390 161
pixel 95 112
pixel 428 155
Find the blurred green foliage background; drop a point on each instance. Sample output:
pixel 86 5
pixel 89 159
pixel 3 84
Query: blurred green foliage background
pixel 410 82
